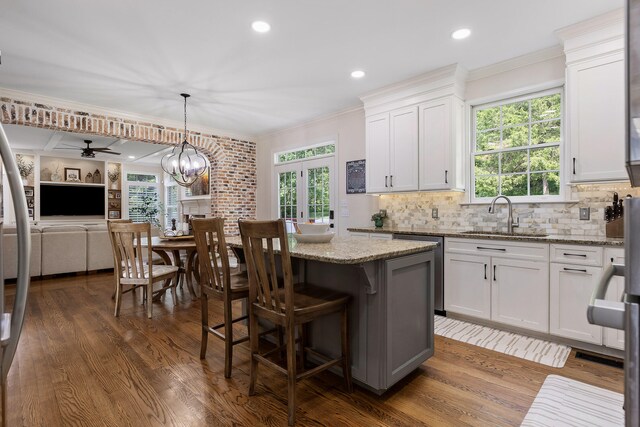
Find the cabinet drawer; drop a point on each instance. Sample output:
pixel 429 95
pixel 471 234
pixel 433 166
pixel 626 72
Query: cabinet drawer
pixel 503 249
pixel 581 255
pixel 380 236
pixel 358 235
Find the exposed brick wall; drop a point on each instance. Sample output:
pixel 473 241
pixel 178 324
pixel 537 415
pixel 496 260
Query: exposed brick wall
pixel 233 162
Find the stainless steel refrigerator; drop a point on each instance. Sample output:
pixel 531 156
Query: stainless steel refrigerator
pixel 626 314
pixel 11 322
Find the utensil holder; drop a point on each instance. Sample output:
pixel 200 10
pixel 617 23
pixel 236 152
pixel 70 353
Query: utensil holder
pixel 615 228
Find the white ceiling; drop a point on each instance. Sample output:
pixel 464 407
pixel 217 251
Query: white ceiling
pixel 137 56
pixel 65 144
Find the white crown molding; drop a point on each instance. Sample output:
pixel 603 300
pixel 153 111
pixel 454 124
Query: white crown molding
pixel 610 19
pixel 94 109
pixel 448 80
pixel 525 60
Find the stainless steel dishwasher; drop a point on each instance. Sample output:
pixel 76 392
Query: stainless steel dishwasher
pixel 439 266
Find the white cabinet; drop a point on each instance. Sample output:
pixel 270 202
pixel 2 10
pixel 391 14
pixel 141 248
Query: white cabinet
pixel 506 282
pixel 467 285
pixel 392 151
pixel 614 337
pixel 596 116
pixel 574 274
pixel 441 142
pixel 520 293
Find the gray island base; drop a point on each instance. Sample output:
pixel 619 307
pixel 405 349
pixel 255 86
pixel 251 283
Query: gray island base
pixel 391 323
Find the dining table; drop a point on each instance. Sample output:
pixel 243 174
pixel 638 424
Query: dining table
pixel 175 246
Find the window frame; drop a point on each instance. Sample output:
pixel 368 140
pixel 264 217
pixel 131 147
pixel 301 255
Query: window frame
pixel 562 144
pixel 157 185
pixel 307 147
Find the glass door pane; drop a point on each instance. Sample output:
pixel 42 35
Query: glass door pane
pixel 319 189
pixel 287 183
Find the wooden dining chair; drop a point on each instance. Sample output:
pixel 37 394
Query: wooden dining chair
pixel 217 281
pixel 137 270
pixel 290 306
pixel 116 271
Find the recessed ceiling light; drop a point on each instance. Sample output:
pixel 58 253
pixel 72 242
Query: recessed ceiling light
pixel 260 26
pixel 358 74
pixel 132 157
pixel 460 34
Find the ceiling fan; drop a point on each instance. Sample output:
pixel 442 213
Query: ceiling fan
pixel 89 152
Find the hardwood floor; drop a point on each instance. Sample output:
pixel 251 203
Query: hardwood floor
pixel 79 365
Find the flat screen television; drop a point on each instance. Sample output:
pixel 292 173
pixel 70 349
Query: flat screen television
pixel 71 200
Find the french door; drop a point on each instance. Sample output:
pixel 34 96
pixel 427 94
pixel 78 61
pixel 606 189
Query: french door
pixel 306 191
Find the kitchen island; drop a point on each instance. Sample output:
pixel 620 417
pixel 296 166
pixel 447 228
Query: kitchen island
pixel 391 322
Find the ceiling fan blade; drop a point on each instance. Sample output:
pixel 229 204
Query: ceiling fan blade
pixel 69 148
pixel 108 152
pixel 101 149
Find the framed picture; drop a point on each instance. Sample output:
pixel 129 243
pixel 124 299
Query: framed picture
pixel 356 182
pixel 72 174
pixel 28 193
pixel 200 187
pixel 112 195
pixel 114 214
pixel 118 195
pixel 30 212
pixel 29 203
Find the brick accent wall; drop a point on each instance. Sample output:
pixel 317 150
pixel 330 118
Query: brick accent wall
pixel 233 161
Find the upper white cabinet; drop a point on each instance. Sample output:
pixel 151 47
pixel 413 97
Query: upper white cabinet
pixel 441 142
pixel 595 99
pixel 392 151
pixel 414 133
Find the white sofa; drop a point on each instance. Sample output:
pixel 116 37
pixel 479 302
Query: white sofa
pixel 59 249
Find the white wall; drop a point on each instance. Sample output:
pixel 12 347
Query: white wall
pixel 347 129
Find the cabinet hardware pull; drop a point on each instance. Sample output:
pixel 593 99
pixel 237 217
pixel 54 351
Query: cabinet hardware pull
pixel 611 259
pixel 494 272
pixel 580 255
pixel 577 270
pixel 485 272
pixel 390 180
pixel 574 165
pixel 385 180
pixel 446 177
pixel 482 248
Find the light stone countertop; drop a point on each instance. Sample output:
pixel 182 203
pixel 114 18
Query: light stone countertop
pixel 552 238
pixel 347 250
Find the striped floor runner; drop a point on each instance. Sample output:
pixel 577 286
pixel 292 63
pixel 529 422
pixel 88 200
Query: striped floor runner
pixel 536 350
pixel 565 402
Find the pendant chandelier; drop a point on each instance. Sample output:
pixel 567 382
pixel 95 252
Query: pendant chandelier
pixel 184 163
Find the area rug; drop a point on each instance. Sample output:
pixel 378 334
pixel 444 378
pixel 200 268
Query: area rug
pixel 565 402
pixel 536 350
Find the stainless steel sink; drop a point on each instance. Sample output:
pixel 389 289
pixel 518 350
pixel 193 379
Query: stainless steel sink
pixel 502 233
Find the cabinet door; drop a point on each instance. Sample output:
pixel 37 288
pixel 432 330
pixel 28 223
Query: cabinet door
pixel 404 150
pixel 570 290
pixel 377 148
pixel 614 337
pixel 435 145
pixel 520 293
pixel 467 285
pixel 596 94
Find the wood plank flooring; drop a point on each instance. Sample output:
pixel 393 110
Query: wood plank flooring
pixel 79 365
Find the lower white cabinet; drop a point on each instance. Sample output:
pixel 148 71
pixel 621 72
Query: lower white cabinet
pixel 613 337
pixel 468 285
pixel 374 236
pixel 570 290
pixel 520 293
pixel 506 282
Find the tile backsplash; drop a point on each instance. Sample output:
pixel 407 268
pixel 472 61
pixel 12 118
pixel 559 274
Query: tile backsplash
pixel 414 209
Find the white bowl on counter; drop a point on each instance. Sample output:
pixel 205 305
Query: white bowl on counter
pixel 309 228
pixel 314 238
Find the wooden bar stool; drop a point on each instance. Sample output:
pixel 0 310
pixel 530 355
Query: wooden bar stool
pixel 288 307
pixel 216 281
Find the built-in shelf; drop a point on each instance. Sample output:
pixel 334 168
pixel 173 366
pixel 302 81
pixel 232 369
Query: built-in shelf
pixel 83 184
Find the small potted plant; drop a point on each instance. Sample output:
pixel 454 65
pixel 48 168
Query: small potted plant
pixel 378 219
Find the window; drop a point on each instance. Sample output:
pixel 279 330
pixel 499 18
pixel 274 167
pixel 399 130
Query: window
pixel 144 198
pixel 306 153
pixel 171 201
pixel 516 148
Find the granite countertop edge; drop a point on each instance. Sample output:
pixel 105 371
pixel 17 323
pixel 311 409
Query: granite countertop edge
pixel 572 240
